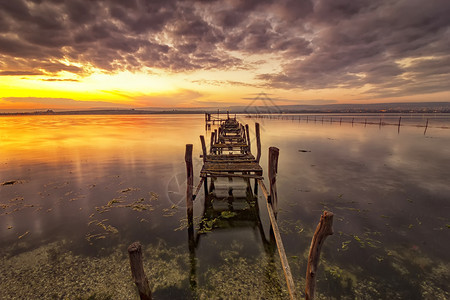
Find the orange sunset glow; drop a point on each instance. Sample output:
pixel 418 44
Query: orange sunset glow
pixel 69 55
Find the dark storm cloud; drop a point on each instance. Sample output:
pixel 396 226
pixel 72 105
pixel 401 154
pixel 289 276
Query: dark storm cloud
pixel 396 47
pixel 367 42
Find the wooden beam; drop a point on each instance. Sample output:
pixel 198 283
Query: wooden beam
pixel 137 270
pixel 198 188
pixel 218 174
pixel 324 229
pixel 280 247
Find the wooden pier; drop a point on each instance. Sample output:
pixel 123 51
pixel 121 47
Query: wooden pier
pixel 229 154
pixel 226 174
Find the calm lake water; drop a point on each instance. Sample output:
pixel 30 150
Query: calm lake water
pixel 77 190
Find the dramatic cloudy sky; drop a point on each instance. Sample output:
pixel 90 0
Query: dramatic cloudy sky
pixel 144 53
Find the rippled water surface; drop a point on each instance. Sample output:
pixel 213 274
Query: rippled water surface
pixel 77 190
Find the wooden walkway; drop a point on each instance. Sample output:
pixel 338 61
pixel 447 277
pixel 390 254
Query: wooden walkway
pixel 229 154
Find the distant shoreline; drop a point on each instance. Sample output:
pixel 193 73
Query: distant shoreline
pixel 384 108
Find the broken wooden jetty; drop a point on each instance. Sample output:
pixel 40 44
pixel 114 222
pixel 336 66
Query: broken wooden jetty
pixel 226 174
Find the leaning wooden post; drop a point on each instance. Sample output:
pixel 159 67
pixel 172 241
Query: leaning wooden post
pixel 258 142
pixel 248 138
pixel 213 137
pixel 190 181
pixel 273 170
pixel 324 229
pixel 137 270
pixel 426 127
pixel 202 139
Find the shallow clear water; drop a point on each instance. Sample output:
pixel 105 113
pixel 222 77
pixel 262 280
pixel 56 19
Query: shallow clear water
pixel 79 189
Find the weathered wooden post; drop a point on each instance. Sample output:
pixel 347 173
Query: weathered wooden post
pixel 211 145
pixel 273 170
pixel 399 121
pixel 216 136
pixel 324 229
pixel 189 181
pixel 426 127
pixel 202 139
pixel 258 142
pixel 137 270
pixel 248 138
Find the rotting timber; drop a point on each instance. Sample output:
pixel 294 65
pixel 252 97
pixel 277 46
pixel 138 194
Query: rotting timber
pixel 230 158
pixel 227 169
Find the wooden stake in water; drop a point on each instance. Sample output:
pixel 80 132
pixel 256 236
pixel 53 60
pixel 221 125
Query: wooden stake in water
pixel 137 270
pixel 211 145
pixel 258 142
pixel 426 127
pixel 273 170
pixel 189 179
pixel 202 140
pixel 248 138
pixel 324 229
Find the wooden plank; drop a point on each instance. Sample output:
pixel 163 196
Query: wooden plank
pixel 198 188
pixel 231 167
pixel 219 174
pixel 264 190
pixel 280 247
pixel 227 145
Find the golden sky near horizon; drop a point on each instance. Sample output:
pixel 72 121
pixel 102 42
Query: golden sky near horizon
pixel 74 54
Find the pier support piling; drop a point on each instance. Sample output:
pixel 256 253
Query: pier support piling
pixel 258 142
pixel 190 181
pixel 273 170
pixel 202 140
pixel 248 138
